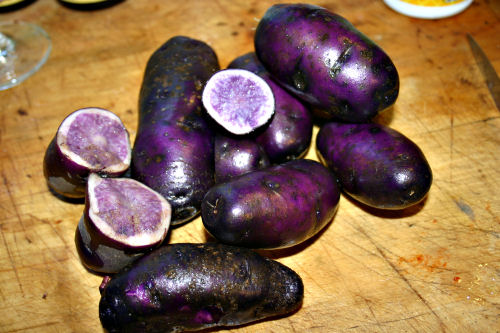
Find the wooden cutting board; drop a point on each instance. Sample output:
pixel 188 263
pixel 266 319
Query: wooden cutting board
pixel 431 268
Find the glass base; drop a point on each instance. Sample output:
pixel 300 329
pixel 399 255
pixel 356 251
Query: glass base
pixel 24 48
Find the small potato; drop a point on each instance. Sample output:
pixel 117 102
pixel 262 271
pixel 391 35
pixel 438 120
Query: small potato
pixel 288 135
pixel 236 155
pixel 276 207
pixel 376 165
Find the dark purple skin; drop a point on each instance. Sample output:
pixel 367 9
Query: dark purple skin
pixel 99 254
pixel 288 135
pixel 173 152
pixel 236 155
pixel 326 61
pixel 376 165
pixel 56 165
pixel 190 287
pixel 276 207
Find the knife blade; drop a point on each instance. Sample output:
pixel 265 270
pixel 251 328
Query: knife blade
pixel 487 70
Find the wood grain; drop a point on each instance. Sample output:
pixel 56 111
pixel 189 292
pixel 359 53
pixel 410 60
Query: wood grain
pixel 431 268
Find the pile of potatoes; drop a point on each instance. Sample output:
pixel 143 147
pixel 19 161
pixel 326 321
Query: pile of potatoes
pixel 252 190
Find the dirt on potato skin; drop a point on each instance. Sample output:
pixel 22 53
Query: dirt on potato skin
pixel 173 150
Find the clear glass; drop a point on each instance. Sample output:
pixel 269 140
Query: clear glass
pixel 24 48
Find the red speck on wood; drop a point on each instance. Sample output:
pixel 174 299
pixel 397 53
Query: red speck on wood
pixel 425 261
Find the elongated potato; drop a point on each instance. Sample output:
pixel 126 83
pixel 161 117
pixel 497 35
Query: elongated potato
pixel 376 165
pixel 173 151
pixel 276 207
pixel 326 61
pixel 188 287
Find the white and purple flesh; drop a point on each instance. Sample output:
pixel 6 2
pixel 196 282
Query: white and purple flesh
pixel 123 219
pixel 89 140
pixel 238 100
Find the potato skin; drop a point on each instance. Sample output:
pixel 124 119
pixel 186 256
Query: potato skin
pixel 194 286
pixel 326 61
pixel 276 207
pixel 288 135
pixel 376 165
pixel 65 177
pixel 100 255
pixel 173 151
pixel 237 155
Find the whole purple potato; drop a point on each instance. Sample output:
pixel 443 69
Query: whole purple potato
pixel 173 151
pixel 325 60
pixel 236 155
pixel 289 133
pixel 276 207
pixel 376 165
pixel 190 287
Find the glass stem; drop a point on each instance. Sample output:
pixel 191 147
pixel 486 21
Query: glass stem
pixel 7 55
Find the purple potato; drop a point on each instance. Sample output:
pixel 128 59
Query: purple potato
pixel 238 100
pixel 89 140
pixel 190 287
pixel 173 152
pixel 326 61
pixel 376 165
pixel 123 219
pixel 288 135
pixel 235 156
pixel 272 208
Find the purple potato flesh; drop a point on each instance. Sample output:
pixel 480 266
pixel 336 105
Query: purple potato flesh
pixel 289 133
pixel 272 208
pixel 188 287
pixel 235 156
pixel 123 219
pixel 127 211
pixel 326 61
pixel 90 140
pixel 173 152
pixel 238 100
pixel 376 165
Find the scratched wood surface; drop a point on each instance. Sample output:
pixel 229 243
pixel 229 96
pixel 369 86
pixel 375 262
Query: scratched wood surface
pixel 431 268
